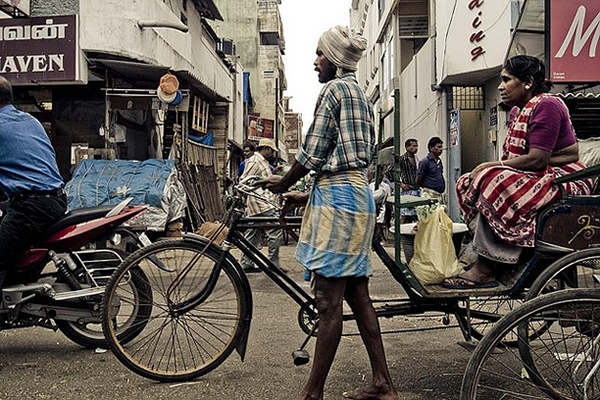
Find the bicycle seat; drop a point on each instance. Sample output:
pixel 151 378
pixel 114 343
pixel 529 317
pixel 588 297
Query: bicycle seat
pixel 78 216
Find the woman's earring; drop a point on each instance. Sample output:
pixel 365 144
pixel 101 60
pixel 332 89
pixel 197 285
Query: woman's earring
pixel 527 87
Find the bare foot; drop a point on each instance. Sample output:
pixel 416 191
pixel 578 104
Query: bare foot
pixel 478 272
pixel 384 392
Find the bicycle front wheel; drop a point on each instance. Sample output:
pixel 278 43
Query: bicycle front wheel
pixel 561 363
pixel 175 346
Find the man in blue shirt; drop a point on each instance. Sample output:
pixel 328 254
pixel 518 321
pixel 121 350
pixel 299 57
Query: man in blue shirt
pixel 29 178
pixel 430 174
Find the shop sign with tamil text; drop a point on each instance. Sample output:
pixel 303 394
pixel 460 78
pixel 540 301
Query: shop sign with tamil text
pixel 573 41
pixel 39 50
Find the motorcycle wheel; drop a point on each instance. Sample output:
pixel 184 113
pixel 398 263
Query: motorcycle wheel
pixel 128 319
pixel 90 334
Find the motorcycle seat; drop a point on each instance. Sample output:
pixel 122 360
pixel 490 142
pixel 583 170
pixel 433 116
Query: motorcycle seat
pixel 78 216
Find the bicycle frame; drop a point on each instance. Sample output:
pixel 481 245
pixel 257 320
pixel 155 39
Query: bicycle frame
pixel 418 300
pixel 414 304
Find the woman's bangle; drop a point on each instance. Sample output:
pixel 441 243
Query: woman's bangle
pixel 502 163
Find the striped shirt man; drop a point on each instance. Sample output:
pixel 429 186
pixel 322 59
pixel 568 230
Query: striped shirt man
pixel 408 171
pixel 257 164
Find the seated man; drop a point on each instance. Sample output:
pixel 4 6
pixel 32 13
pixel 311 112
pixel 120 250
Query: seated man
pixel 29 178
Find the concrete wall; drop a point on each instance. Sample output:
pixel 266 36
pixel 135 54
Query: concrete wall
pixel 293 133
pixel 110 27
pixel 244 20
pixel 269 59
pixel 365 18
pixel 493 151
pixel 269 18
pixel 54 7
pixel 423 112
pixel 241 25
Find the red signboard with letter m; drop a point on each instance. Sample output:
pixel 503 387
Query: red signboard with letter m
pixel 574 35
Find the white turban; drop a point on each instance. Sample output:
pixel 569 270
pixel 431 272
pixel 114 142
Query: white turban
pixel 342 47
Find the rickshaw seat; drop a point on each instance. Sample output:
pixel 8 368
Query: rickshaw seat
pixel 572 222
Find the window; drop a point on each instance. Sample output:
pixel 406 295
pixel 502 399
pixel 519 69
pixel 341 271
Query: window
pixel 414 26
pixel 269 38
pixel 385 70
pixel 468 98
pixel 414 30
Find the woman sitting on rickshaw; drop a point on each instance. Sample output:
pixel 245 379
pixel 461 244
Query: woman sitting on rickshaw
pixel 500 199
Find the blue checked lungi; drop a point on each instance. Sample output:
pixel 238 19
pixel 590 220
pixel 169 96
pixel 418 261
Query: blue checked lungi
pixel 338 225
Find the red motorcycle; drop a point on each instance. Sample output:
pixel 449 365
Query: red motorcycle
pixel 59 282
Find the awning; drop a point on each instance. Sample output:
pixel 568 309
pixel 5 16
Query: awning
pixel 133 70
pixel 197 83
pixel 472 78
pixel 247 93
pixel 579 96
pixel 584 109
pixel 142 72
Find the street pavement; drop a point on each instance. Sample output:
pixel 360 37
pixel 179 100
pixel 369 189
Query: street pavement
pixel 40 364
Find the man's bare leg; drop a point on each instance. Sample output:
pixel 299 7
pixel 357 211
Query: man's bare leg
pixel 357 296
pixel 329 296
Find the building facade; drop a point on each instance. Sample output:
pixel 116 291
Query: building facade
pixel 98 92
pixel 90 71
pixel 256 30
pixel 445 59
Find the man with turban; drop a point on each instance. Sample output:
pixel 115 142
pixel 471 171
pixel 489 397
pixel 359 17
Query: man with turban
pixel 338 224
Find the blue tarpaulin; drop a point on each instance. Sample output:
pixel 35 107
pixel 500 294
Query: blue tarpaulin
pixel 102 182
pixel 154 182
pixel 207 140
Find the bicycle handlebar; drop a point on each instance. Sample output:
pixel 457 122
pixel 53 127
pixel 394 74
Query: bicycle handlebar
pixel 248 190
pixel 251 177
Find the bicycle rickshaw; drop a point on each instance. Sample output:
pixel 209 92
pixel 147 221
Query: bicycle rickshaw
pixel 202 300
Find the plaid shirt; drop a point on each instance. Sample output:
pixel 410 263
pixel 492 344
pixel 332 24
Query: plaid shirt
pixel 342 135
pixel 258 165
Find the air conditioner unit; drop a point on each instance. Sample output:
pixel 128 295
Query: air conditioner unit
pixel 226 46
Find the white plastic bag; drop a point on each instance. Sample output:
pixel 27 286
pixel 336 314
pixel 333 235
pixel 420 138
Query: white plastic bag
pixel 434 258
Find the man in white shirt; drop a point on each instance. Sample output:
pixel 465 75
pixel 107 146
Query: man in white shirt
pixel 258 164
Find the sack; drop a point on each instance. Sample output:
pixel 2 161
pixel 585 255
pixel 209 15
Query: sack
pixel 434 256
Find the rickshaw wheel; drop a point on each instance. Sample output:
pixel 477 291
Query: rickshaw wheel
pixel 580 269
pixel 493 308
